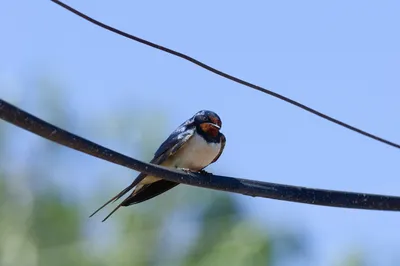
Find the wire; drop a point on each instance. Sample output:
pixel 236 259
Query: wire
pixel 225 75
pixel 22 119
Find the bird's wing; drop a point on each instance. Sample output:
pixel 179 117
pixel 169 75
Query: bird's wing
pixel 149 191
pixel 168 148
pixel 172 144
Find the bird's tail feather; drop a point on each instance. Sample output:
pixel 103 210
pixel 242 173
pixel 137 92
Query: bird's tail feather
pixel 144 193
pixel 119 195
pixel 108 216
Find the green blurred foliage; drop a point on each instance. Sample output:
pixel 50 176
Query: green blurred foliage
pixel 43 224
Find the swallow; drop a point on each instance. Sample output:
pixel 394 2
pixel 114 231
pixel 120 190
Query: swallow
pixel 194 145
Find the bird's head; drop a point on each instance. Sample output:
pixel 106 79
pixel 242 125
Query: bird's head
pixel 207 122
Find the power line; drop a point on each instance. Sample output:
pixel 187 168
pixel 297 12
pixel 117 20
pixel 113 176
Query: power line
pixel 22 119
pixel 225 75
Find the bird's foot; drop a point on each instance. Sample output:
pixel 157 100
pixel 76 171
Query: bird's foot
pixel 204 172
pixel 208 174
pixel 187 170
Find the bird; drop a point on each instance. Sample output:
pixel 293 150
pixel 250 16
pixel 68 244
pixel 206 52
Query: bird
pixel 192 146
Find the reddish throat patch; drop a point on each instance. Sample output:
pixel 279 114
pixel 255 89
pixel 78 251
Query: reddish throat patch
pixel 209 129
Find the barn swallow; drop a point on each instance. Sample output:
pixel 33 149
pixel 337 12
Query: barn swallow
pixel 194 145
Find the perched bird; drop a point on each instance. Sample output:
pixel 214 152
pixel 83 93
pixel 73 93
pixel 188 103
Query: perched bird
pixel 194 145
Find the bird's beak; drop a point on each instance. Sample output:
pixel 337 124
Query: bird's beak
pixel 214 125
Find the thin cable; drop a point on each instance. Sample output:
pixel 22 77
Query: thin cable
pixel 225 75
pixel 20 118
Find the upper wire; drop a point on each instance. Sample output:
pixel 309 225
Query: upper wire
pixel 225 75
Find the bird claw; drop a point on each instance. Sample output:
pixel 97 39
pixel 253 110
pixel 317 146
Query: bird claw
pixel 208 174
pixel 186 170
pixel 204 172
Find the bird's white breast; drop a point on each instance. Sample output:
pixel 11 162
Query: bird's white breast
pixel 196 154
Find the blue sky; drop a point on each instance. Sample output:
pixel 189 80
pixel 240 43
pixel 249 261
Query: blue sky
pixel 341 58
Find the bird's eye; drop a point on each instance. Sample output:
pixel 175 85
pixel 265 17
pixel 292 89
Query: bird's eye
pixel 201 118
